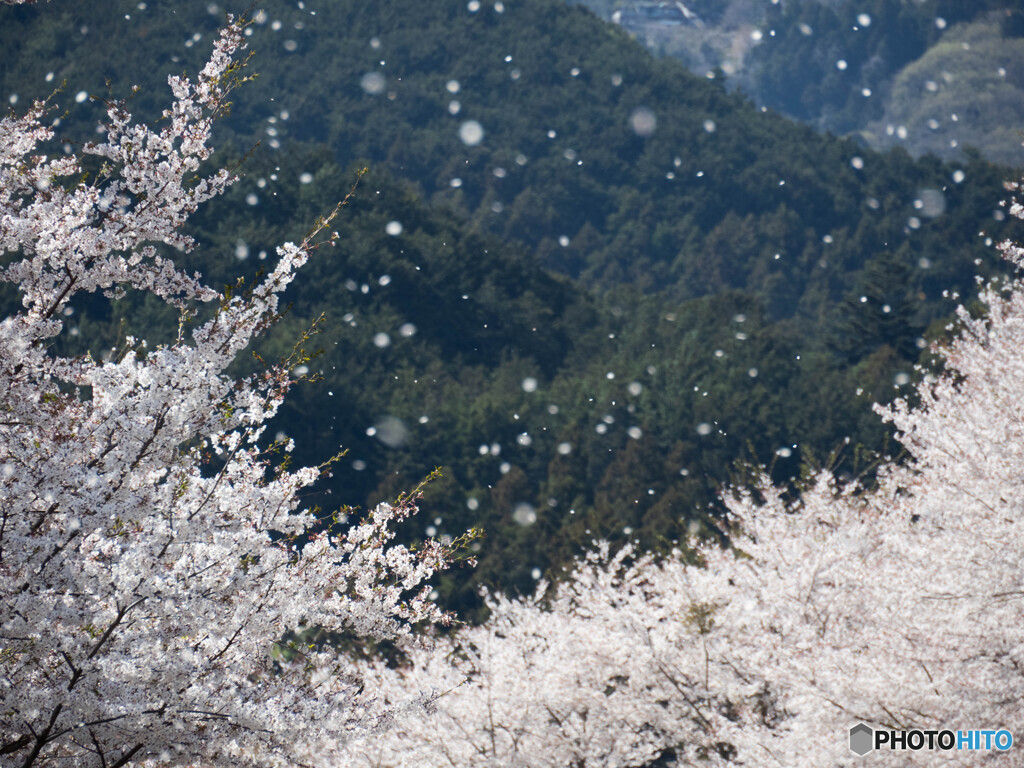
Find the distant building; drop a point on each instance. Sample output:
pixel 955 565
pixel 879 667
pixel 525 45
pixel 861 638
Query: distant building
pixel 664 14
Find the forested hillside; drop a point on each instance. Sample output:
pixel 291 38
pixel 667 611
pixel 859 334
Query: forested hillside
pixel 937 76
pixel 580 279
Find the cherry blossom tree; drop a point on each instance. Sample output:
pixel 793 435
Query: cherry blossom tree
pixel 153 549
pixel 615 666
pixel 901 606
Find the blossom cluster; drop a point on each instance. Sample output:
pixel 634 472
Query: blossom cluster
pixel 153 550
pixel 615 667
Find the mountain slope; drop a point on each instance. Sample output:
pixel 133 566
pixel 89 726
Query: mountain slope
pixel 734 286
pixel 844 66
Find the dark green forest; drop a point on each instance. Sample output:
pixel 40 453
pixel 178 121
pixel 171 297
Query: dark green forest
pixel 588 285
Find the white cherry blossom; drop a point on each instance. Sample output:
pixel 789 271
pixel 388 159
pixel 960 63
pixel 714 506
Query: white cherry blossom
pixel 153 553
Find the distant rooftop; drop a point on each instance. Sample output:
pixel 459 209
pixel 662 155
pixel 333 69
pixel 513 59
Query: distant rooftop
pixel 664 14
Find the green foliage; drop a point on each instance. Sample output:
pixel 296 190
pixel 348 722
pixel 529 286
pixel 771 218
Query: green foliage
pixel 975 73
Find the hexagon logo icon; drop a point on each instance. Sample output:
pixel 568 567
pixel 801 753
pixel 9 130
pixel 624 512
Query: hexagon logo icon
pixel 861 738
